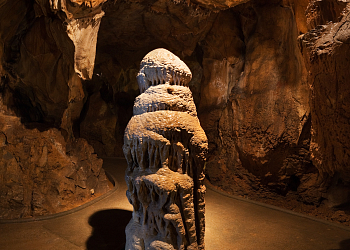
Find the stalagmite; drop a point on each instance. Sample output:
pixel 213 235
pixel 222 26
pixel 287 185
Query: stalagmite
pixel 166 149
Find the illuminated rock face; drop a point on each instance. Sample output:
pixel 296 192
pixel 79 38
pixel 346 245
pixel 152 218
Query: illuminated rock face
pixel 165 148
pixel 326 51
pixel 83 20
pixel 47 50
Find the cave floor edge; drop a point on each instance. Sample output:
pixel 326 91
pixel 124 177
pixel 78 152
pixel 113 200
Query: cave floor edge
pixel 230 224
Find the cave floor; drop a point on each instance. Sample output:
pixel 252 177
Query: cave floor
pixel 231 223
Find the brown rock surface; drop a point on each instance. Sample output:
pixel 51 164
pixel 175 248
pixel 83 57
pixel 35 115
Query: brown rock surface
pixel 219 4
pixel 256 93
pixel 249 84
pixel 41 60
pixel 128 31
pixel 99 126
pixel 44 59
pixel 326 53
pixel 82 19
pixel 41 174
pixel 168 24
pixel 324 12
pixel 299 8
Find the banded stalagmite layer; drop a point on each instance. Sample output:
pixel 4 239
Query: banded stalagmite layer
pixel 165 148
pixel 160 66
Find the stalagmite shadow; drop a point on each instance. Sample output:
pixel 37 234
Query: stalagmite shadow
pixel 108 229
pixel 343 245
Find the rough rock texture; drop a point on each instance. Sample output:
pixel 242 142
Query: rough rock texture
pixel 254 101
pixel 170 98
pixel 250 84
pixel 324 12
pixel 43 62
pixel 170 24
pixel 128 31
pixel 165 149
pixel 219 4
pixel 326 51
pixel 82 19
pixel 41 174
pixel 99 126
pixel 39 39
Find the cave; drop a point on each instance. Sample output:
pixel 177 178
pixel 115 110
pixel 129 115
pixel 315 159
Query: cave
pixel 268 83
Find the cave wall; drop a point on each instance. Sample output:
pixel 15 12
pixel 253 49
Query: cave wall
pixel 257 121
pixel 123 42
pixel 250 84
pixel 269 83
pixel 326 50
pixel 44 167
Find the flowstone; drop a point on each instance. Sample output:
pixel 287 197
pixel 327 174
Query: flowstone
pixel 165 148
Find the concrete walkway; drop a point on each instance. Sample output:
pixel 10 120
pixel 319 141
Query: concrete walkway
pixel 230 224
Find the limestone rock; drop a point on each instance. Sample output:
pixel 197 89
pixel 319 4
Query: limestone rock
pixel 162 66
pixel 165 97
pixel 159 218
pixel 248 82
pixel 41 174
pixel 99 126
pixel 323 12
pixel 254 99
pixel 82 19
pixel 44 96
pixel 165 148
pixel 325 52
pixel 51 59
pixel 269 101
pixel 299 8
pixel 147 27
pixel 219 4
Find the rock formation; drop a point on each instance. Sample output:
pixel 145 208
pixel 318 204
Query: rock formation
pixel 267 81
pixel 40 173
pixel 249 83
pixel 326 50
pixel 165 148
pixel 47 49
pixel 83 20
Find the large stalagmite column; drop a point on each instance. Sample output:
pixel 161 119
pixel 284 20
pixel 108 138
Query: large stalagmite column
pixel 165 148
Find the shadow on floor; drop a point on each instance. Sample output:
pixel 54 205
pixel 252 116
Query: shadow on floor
pixel 108 229
pixel 343 245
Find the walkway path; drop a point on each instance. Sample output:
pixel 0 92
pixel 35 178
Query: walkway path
pixel 230 224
